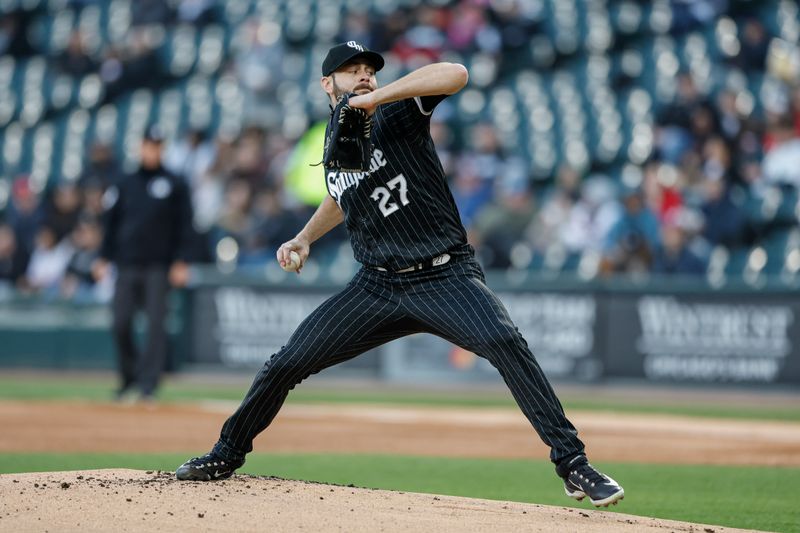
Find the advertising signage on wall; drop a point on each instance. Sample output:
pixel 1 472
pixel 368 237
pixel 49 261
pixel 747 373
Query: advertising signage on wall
pixel 243 326
pixel 708 338
pixel 704 337
pixel 560 329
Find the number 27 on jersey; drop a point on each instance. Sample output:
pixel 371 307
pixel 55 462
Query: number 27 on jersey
pixel 384 196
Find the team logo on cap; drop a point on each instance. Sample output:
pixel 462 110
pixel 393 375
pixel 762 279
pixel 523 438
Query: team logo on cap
pixel 353 44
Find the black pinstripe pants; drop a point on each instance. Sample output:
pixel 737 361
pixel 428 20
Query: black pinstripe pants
pixel 450 301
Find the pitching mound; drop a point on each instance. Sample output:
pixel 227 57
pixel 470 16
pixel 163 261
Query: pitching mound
pixel 131 500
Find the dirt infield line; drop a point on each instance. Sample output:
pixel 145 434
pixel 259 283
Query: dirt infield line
pixel 452 432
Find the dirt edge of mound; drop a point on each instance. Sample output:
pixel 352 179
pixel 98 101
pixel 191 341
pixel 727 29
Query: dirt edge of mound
pixel 134 500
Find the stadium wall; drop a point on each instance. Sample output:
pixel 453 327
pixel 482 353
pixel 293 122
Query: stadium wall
pixel 676 333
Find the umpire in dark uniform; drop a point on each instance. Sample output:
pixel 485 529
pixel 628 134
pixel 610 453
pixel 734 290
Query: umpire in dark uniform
pixel 147 231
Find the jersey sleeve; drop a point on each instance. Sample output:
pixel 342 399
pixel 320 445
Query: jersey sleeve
pixel 427 104
pixel 412 115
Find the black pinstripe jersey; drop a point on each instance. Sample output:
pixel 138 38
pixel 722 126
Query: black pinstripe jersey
pixel 401 212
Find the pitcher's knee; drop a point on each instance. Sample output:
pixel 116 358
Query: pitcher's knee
pixel 502 338
pixel 288 366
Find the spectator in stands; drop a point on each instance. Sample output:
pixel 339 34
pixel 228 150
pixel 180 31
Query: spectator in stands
pixel 357 27
pixel 14 28
pixel 717 161
pixel 687 97
pixel 468 30
pixel 236 216
pixel 191 156
pixel 196 12
pixel 471 190
pixel 93 191
pixel 795 108
pixel 516 23
pixel 111 73
pixel 632 240
pixel 661 187
pixel 673 255
pixel 63 209
pixel 145 12
pixel 25 213
pixel 478 170
pixel 48 263
pixel 147 235
pixel 135 64
pixel 443 140
pixel 141 67
pixel 702 125
pixel 75 60
pixel 272 225
pixel 754 44
pixel 489 155
pixel 13 260
pixel 101 167
pixel 78 282
pixel 259 54
pixel 279 152
pixel 689 14
pixel 556 205
pixel 208 191
pixel 424 40
pixel 731 122
pixel 724 220
pixel 502 223
pixel 8 30
pixel 782 163
pixel 250 158
pixel 591 217
pixel 387 31
pixel 675 121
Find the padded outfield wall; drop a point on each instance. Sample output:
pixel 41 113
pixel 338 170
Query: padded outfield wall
pixel 676 332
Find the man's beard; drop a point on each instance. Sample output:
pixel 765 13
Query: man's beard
pixel 338 91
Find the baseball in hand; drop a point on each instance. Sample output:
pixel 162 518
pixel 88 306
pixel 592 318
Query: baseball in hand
pixel 294 262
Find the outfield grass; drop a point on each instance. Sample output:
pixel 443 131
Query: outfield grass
pixel 96 389
pixel 745 497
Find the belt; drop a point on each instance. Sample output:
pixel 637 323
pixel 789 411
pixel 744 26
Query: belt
pixel 436 261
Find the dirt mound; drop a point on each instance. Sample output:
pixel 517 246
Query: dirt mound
pixel 132 500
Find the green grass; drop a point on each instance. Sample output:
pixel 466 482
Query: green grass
pixel 745 497
pixel 99 389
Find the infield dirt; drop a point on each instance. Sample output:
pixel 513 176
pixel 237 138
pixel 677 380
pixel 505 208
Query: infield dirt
pixel 452 432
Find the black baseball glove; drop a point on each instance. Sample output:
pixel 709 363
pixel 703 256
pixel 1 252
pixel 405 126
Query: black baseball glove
pixel 347 145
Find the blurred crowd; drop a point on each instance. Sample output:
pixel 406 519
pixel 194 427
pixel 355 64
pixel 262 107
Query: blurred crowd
pixel 711 155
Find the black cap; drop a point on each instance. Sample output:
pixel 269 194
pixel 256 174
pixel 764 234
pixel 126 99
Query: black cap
pixel 344 52
pixel 154 133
